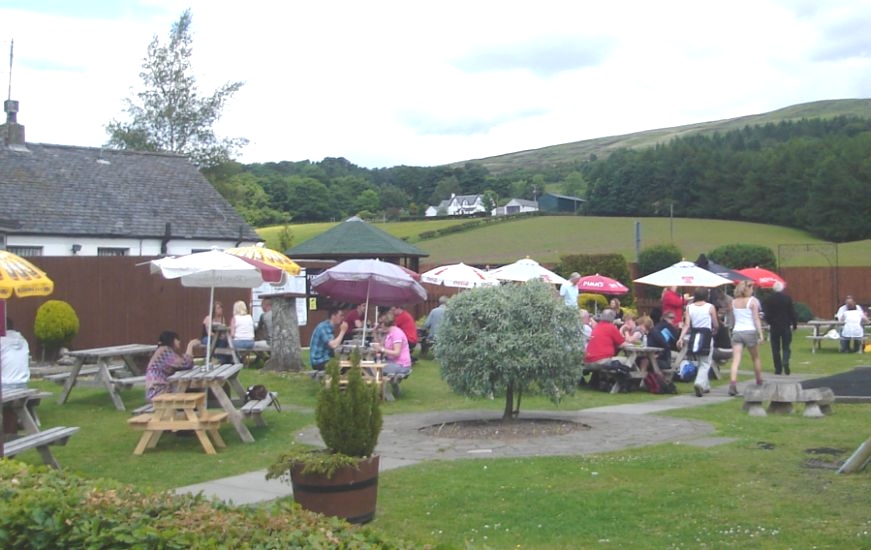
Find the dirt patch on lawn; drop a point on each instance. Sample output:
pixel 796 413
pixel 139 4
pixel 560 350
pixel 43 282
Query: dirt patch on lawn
pixel 499 430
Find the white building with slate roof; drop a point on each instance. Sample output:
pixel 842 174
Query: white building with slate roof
pixel 59 200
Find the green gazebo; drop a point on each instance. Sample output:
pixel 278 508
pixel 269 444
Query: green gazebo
pixel 355 238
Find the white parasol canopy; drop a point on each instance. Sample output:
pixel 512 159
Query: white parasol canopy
pixel 459 276
pixel 684 274
pixel 526 270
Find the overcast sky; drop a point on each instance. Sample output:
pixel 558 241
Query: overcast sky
pixel 427 83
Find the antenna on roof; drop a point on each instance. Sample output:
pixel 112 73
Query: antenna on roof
pixel 11 46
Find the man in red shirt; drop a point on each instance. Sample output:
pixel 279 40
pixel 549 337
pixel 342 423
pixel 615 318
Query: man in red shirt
pixel 605 341
pixel 405 321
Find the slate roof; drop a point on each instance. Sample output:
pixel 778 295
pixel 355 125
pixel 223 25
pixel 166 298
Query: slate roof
pixel 567 197
pixel 354 238
pixel 68 190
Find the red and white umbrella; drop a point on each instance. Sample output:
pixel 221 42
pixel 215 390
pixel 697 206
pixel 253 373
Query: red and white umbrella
pixel 526 270
pixel 762 277
pixel 599 284
pixel 459 276
pixel 215 268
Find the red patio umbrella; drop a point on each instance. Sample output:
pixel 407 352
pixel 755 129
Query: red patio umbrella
pixel 599 284
pixel 762 277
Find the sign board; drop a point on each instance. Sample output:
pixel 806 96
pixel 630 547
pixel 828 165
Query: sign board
pixel 295 284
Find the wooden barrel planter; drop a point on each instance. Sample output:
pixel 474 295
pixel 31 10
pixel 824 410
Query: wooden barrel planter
pixel 350 494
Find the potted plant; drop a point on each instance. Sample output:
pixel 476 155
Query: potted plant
pixel 341 480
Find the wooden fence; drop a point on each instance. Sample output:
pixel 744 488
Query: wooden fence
pixel 119 301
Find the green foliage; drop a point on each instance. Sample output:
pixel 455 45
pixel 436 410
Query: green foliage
pixel 56 323
pixel 170 114
pixel 660 256
pixel 43 508
pixel 739 256
pixel 803 311
pixel 316 462
pixel 349 420
pixel 592 302
pixel 285 238
pixel 609 265
pixel 510 340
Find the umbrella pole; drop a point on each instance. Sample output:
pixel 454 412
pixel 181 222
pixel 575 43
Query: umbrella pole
pixel 366 311
pixel 209 329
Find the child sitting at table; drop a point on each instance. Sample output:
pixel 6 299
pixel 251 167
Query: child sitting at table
pixel 165 362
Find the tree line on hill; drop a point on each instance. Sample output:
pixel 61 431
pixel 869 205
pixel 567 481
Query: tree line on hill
pixel 810 174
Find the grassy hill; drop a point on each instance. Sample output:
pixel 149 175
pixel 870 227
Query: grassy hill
pixel 540 159
pixel 546 238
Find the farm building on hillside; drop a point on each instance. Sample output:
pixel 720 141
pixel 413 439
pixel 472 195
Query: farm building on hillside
pixel 551 202
pixel 61 200
pixel 458 205
pixel 515 206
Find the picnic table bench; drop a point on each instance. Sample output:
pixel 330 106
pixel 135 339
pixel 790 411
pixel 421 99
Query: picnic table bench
pixel 103 371
pixel 212 379
pixel 22 403
pixel 175 412
pixel 254 408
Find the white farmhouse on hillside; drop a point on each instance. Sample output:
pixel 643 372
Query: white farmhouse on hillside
pixel 458 205
pixel 516 206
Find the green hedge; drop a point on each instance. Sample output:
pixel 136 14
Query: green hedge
pixel 42 508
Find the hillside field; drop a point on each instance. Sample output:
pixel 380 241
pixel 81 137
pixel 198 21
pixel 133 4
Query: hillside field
pixel 546 238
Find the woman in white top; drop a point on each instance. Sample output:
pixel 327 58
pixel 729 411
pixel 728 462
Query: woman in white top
pixel 701 319
pixel 852 332
pixel 747 332
pixel 242 327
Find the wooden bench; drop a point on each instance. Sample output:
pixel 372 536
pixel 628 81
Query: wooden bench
pixel 600 375
pixel 59 435
pixel 146 408
pixel 129 382
pixel 61 377
pixel 255 408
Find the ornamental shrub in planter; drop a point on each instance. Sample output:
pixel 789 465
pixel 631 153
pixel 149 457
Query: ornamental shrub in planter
pixel 341 480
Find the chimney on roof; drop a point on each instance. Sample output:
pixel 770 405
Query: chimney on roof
pixel 12 132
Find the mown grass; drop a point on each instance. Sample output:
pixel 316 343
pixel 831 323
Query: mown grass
pixel 731 495
pixel 546 238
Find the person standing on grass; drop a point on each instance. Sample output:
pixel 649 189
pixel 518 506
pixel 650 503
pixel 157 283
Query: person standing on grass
pixel 700 320
pixel 746 333
pixel 780 313
pixel 569 290
pixel 672 302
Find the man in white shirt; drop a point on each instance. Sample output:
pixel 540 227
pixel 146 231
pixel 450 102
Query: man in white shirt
pixel 569 291
pixel 15 359
pixel 848 300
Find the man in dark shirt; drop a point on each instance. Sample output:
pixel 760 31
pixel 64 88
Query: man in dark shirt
pixel 664 335
pixel 781 317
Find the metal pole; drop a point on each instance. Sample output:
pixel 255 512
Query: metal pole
pixel 671 221
pixel 637 240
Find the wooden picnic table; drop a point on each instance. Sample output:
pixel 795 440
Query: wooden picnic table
pixel 372 374
pixel 127 352
pixel 208 378
pixel 822 327
pixel 22 403
pixel 179 411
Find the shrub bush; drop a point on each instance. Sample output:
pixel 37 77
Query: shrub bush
pixel 654 258
pixel 592 302
pixel 42 508
pixel 803 311
pixel 739 256
pixel 56 323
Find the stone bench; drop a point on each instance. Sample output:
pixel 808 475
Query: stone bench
pixel 782 396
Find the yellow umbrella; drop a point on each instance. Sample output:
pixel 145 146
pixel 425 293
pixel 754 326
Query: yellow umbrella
pixel 22 278
pixel 266 255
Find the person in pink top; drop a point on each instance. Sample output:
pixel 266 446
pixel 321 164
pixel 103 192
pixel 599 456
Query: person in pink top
pixel 395 347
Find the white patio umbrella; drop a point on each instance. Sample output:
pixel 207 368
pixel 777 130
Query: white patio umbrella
pixel 684 274
pixel 216 268
pixel 459 276
pixel 526 270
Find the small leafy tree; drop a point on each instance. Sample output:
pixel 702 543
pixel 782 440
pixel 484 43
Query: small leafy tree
pixel 509 340
pixel 739 256
pixel 56 324
pixel 170 114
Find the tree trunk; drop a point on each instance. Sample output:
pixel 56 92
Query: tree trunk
pixel 508 413
pixel 286 349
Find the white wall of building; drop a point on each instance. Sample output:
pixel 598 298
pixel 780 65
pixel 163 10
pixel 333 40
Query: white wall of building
pixel 88 246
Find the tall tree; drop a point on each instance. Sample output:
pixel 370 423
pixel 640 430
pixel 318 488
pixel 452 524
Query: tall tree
pixel 169 114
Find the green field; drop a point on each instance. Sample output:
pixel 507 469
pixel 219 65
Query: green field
pixel 546 238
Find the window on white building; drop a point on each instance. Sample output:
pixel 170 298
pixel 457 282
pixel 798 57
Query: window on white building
pixel 105 251
pixel 25 251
